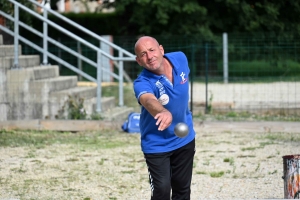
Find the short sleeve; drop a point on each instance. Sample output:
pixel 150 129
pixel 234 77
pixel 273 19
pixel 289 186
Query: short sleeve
pixel 142 86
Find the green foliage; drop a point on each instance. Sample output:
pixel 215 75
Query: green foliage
pixel 209 106
pixel 158 17
pixel 73 107
pixel 252 16
pixel 206 18
pixel 129 97
pixel 96 116
pixel 202 19
pixel 8 8
pixel 259 68
pixel 99 23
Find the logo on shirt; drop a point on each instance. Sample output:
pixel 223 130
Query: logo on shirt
pixel 164 99
pixel 183 80
pixel 160 88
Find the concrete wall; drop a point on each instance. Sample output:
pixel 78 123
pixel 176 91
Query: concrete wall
pixel 3 90
pixel 23 97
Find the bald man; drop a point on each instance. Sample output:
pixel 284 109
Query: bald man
pixel 162 90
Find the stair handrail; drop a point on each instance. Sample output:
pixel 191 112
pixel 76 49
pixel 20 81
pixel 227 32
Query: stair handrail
pixel 46 39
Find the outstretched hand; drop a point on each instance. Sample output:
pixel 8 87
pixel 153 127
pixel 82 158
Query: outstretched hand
pixel 164 119
pixel 163 116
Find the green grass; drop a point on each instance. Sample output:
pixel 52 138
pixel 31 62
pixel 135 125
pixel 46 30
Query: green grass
pixel 246 156
pixel 39 139
pixel 129 98
pixel 216 174
pixel 201 172
pixel 246 116
pixel 229 160
pixel 280 137
pixel 250 148
pixel 257 167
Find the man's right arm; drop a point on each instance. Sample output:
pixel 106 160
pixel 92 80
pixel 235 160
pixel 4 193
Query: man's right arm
pixel 153 106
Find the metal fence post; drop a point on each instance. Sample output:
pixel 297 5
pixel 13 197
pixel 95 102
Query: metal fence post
pixel 192 76
pixel 225 57
pixel 79 62
pixel 45 39
pixel 16 38
pixel 99 88
pixel 206 79
pixel 121 97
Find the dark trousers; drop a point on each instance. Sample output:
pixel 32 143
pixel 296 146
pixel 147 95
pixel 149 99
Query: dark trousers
pixel 171 171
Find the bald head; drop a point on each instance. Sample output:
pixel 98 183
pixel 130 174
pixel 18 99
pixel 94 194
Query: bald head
pixel 144 39
pixel 149 54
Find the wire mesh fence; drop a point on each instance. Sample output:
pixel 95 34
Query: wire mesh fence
pixel 263 71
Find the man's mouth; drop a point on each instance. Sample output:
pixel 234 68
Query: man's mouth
pixel 151 62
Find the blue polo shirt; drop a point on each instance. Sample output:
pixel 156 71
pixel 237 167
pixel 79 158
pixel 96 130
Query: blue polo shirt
pixel 174 97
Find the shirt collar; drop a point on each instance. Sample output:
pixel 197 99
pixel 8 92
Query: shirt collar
pixel 155 77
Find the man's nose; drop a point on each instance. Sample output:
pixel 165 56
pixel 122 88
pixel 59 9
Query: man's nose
pixel 149 55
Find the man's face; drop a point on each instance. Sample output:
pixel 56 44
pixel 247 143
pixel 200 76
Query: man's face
pixel 149 54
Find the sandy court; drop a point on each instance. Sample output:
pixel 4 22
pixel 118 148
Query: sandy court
pixel 246 155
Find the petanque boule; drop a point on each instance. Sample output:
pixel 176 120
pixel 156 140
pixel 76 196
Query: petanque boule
pixel 181 130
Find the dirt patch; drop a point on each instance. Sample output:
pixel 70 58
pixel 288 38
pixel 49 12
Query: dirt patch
pixel 228 164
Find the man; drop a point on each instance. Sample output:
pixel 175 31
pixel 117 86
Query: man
pixel 162 89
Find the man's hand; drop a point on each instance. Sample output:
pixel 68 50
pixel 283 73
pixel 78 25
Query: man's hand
pixel 153 106
pixel 164 120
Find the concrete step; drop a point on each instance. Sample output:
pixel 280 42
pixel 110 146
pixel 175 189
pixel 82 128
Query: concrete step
pixel 80 92
pixel 24 61
pixel 54 84
pixel 59 100
pixel 8 50
pixel 107 103
pixel 45 71
pixel 38 92
pixel 89 93
pixel 117 113
pixel 25 75
pixel 33 73
pixel 90 104
pixel 108 110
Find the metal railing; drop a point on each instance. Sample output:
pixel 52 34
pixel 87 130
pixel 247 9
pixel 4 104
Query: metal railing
pixel 123 55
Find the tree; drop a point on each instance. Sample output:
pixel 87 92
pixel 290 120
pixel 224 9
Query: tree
pixel 158 17
pixel 7 7
pixel 252 15
pixel 205 17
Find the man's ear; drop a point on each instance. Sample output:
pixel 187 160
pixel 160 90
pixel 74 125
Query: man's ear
pixel 138 60
pixel 161 48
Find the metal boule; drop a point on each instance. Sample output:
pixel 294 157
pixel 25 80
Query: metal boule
pixel 181 130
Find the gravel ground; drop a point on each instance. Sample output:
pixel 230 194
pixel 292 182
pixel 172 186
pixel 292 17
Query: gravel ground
pixel 228 165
